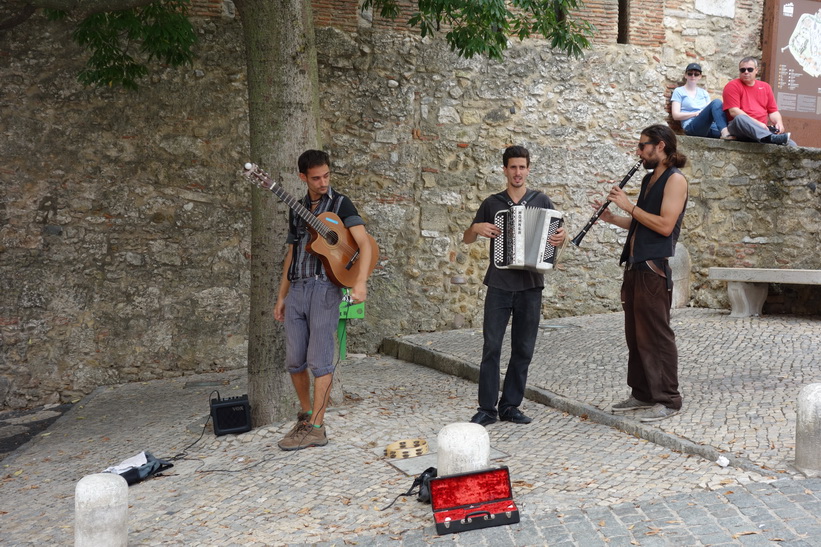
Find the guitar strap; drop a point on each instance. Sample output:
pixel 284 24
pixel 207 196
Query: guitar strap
pixel 301 224
pixel 336 203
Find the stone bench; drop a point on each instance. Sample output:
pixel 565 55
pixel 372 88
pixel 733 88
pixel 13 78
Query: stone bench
pixel 747 287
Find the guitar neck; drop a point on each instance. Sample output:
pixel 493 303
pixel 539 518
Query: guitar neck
pixel 300 210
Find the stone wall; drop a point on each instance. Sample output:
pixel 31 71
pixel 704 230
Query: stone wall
pixel 123 220
pixel 124 224
pixel 753 206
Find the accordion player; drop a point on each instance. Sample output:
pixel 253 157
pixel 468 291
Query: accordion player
pixel 523 242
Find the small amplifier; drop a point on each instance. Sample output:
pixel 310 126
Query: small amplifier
pixel 231 415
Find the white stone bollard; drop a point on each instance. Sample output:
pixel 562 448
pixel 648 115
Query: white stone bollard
pixel 463 447
pixel 680 266
pixel 101 511
pixel 808 431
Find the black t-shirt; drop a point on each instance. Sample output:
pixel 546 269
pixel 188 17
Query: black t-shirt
pixel 510 280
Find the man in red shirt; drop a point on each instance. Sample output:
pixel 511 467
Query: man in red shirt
pixel 751 108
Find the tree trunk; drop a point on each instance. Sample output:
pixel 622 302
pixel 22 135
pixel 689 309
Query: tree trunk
pixel 283 105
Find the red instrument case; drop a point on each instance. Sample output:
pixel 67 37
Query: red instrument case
pixel 470 501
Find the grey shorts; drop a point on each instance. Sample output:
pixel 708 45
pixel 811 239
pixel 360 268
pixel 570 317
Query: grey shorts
pixel 311 319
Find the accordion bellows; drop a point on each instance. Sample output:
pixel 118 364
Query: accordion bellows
pixel 523 242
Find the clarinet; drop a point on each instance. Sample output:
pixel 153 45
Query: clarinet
pixel 578 239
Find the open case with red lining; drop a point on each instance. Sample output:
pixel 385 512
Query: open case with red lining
pixel 470 501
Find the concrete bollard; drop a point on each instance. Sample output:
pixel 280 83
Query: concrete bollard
pixel 808 431
pixel 680 266
pixel 101 511
pixel 463 447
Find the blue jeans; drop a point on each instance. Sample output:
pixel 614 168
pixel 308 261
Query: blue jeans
pixel 709 121
pixel 526 309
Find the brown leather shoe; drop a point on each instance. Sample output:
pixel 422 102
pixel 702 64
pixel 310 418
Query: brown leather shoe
pixel 304 435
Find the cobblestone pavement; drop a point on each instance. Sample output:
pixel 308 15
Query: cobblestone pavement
pixel 17 427
pixel 581 476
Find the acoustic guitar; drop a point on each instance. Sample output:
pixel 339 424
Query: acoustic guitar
pixel 331 241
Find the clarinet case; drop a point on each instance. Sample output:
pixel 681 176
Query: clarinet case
pixel 470 501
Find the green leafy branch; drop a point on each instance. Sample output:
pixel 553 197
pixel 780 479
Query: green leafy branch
pixel 159 31
pixel 483 27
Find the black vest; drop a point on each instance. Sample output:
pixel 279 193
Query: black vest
pixel 649 244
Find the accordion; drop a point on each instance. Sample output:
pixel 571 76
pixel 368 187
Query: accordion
pixel 523 243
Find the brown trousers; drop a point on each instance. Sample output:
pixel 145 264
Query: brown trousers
pixel 652 366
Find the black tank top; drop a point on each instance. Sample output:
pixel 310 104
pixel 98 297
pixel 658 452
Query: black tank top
pixel 649 245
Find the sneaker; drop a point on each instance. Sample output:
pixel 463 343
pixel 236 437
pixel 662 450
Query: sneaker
pixel 514 415
pixel 304 435
pixel 631 403
pixel 780 138
pixel 658 412
pixel 483 418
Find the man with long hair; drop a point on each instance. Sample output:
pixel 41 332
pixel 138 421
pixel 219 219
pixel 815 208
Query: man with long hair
pixel 653 224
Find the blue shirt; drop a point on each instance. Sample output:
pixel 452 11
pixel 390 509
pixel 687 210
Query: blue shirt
pixel 690 104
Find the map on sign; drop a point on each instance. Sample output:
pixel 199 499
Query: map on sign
pixel 805 42
pixel 795 62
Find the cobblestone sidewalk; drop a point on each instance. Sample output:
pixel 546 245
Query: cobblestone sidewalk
pixel 577 480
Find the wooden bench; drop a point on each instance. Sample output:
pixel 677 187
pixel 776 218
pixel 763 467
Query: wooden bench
pixel 747 287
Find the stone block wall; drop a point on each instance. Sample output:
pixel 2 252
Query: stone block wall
pixel 124 222
pixel 123 218
pixel 753 206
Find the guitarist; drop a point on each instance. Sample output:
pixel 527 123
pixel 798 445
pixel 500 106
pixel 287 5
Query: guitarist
pixel 308 302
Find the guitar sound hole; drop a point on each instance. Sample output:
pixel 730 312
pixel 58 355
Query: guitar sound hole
pixel 332 238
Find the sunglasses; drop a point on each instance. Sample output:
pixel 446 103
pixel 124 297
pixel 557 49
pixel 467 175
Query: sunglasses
pixel 694 74
pixel 746 69
pixel 643 144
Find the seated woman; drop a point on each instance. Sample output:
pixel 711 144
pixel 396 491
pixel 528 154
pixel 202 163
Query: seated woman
pixel 691 106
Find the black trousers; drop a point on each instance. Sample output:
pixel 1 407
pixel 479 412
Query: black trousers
pixel 652 365
pixel 526 309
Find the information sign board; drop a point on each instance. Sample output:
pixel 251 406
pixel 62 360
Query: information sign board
pixel 792 58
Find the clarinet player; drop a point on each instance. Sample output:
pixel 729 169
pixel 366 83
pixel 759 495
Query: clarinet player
pixel 516 293
pixel 653 224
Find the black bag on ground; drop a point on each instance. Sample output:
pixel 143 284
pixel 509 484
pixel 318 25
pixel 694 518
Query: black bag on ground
pixel 138 473
pixel 423 482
